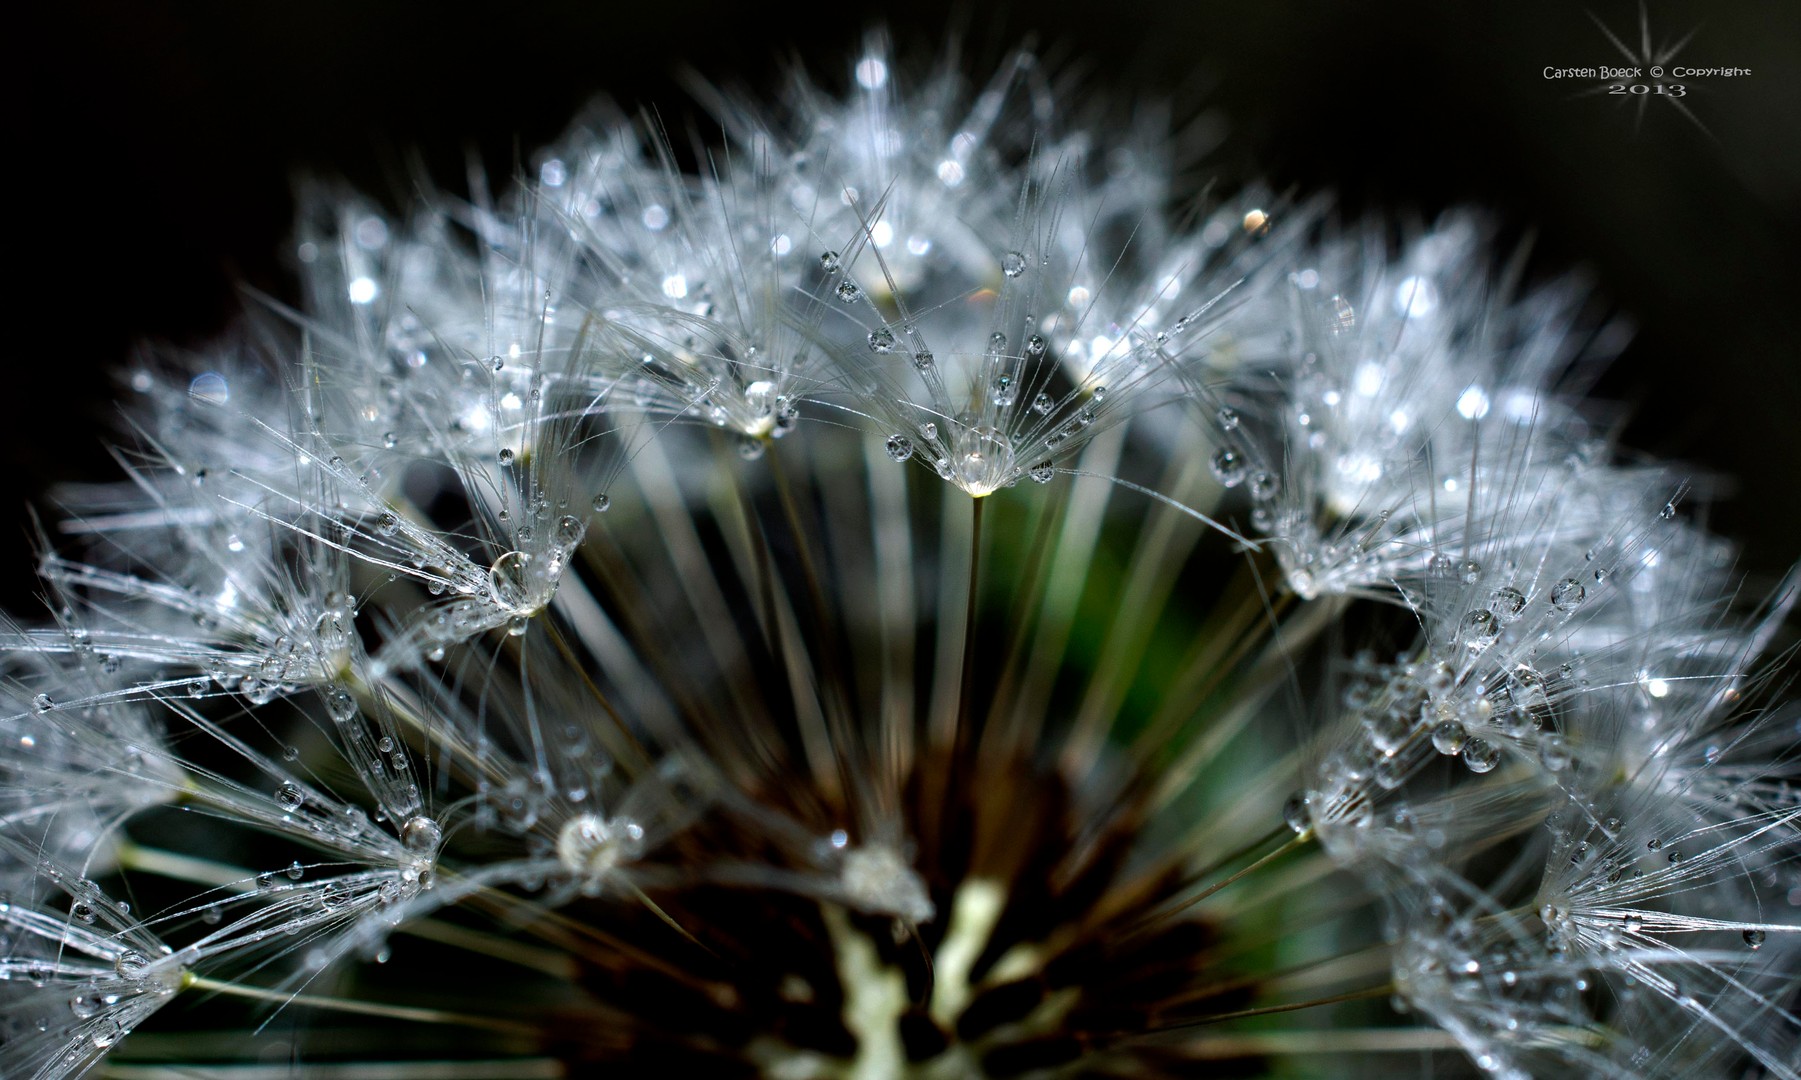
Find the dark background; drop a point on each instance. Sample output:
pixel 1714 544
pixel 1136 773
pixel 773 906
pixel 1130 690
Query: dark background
pixel 153 144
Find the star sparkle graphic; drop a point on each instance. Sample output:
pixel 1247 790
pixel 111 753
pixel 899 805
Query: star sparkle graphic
pixel 1648 58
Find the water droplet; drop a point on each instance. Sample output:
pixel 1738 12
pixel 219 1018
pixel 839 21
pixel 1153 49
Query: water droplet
pixel 1013 264
pixel 131 964
pixel 1568 595
pixel 923 360
pixel 1480 755
pixel 1229 466
pixel 1042 403
pixel 1507 602
pixel 387 523
pixel 849 291
pixel 1448 737
pixel 1754 938
pixel 881 340
pixel 1471 572
pixel 900 448
pixel 602 503
pixel 1480 629
pixel 1003 390
pixel 930 430
pixel 422 834
pixel 1035 347
pixel 43 703
pixel 1042 472
pixel 1295 814
pixel 505 456
pixel 1668 513
pixel 509 581
pixel 1344 316
pixel 1390 728
pixel 828 262
pixel 341 704
pixel 106 1032
pixel 1554 752
pixel 997 343
pixel 295 870
pixel 1228 418
pixel 570 530
pixel 289 796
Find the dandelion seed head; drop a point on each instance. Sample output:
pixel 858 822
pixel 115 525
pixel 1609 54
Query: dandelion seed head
pixel 831 749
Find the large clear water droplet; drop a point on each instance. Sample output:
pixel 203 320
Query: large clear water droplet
pixel 1228 466
pixel 1507 602
pixel 1567 595
pixel 1480 629
pixel 1002 390
pixel 1480 755
pixel 1448 737
pixel 340 705
pixel 131 964
pixel 1295 814
pixel 421 834
pixel 508 579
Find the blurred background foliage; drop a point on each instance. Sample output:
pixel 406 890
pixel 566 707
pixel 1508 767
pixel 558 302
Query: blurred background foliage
pixel 154 142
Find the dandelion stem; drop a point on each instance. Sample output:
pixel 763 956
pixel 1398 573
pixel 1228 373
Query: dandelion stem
pixel 363 1008
pixel 830 688
pixel 944 786
pixel 1293 844
pixel 1227 860
pixel 1029 595
pixel 1334 1041
pixel 1294 1006
pixel 966 679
